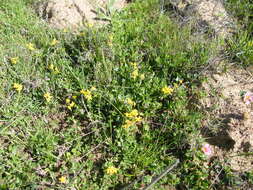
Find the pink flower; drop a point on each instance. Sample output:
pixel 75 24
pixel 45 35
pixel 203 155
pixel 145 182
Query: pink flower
pixel 207 149
pixel 248 98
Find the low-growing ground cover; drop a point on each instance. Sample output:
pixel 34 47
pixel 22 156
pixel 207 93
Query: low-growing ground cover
pixel 102 108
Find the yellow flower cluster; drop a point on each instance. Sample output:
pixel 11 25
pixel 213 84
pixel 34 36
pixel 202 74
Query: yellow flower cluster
pixel 48 96
pixel 134 64
pixel 54 42
pixel 18 87
pixel 128 123
pixel 132 114
pixel 111 170
pixel 70 104
pixel 14 60
pixel 167 90
pixel 130 102
pixel 87 94
pixel 54 69
pixel 132 118
pixel 142 76
pixel 135 72
pixel 30 46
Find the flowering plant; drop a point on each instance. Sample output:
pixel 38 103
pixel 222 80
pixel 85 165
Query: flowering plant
pixel 207 149
pixel 248 98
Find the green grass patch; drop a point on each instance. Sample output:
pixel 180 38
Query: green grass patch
pixel 240 48
pixel 101 108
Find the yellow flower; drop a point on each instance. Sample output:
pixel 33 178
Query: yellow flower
pixel 63 179
pixel 134 74
pixel 30 46
pixel 134 113
pixel 142 76
pixel 67 101
pixel 54 42
pixel 48 96
pixel 111 170
pixel 180 81
pixel 134 65
pixel 71 105
pixel 53 68
pixel 56 71
pixel 14 60
pixel 130 102
pixel 128 123
pixel 93 88
pixel 137 119
pixel 87 94
pixel 74 97
pixel 133 118
pixel 18 87
pixel 167 90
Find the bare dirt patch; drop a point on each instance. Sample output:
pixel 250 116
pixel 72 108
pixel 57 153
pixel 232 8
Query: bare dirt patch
pixel 230 128
pixel 209 13
pixel 214 13
pixel 63 14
